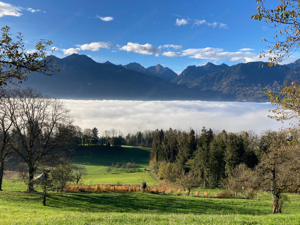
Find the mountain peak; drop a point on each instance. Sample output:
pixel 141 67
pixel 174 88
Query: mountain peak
pixel 134 64
pixel 159 66
pixel 209 64
pixel 294 64
pixel 135 67
pixel 79 59
pixel 108 62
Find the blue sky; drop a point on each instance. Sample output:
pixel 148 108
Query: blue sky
pixel 175 33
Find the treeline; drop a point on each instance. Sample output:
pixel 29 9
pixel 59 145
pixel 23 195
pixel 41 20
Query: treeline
pixel 111 137
pixel 208 156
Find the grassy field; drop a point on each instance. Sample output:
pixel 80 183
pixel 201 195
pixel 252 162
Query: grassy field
pixel 19 207
pixel 99 158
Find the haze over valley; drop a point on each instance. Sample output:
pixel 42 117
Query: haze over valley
pixel 133 116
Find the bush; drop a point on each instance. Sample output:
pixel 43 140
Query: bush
pixel 225 194
pixel 251 193
pixel 205 194
pixel 61 175
pixel 162 170
pixel 108 169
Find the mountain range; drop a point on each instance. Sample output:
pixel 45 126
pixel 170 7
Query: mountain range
pixel 80 77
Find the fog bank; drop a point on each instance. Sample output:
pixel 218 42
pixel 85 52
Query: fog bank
pixel 132 116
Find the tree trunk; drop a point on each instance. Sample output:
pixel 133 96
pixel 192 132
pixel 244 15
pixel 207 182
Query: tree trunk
pixel 31 171
pixel 276 206
pixel 1 173
pixel 275 193
pixel 44 194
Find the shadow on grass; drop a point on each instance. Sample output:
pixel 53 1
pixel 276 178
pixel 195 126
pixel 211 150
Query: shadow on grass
pixel 103 156
pixel 149 203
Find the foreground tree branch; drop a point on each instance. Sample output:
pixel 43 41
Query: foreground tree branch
pixel 16 62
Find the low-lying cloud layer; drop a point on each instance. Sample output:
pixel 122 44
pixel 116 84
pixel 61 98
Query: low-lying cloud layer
pixel 132 116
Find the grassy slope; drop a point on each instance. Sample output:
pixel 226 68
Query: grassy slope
pixel 17 206
pixel 99 158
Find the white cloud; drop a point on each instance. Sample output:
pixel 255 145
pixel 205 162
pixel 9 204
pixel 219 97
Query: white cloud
pixel 71 51
pixel 218 53
pixel 223 25
pixel 30 51
pixel 106 19
pixel 172 54
pixel 171 46
pixel 146 49
pixel 33 10
pixel 246 49
pixel 238 59
pixel 95 46
pixel 9 10
pixel 200 22
pixel 214 24
pixel 132 116
pixel 181 22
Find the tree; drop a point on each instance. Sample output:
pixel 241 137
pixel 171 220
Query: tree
pixel 16 62
pixel 61 175
pixel 285 16
pixel 79 171
pixel 188 181
pixel 279 170
pixel 40 128
pixel 5 125
pixel 116 141
pixel 234 153
pixel 287 40
pixel 95 138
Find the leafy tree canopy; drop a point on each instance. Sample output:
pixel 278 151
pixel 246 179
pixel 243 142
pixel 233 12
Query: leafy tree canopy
pixel 285 17
pixel 16 62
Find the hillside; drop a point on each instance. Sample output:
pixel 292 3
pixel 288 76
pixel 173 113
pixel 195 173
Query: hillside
pixel 192 73
pixel 80 77
pixel 157 71
pixel 96 159
pixel 246 80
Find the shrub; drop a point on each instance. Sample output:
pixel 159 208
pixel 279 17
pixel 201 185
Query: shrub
pixel 196 194
pixel 251 193
pixel 187 193
pixel 108 169
pixel 178 192
pixel 225 194
pixel 205 194
pixel 162 170
pixel 61 175
pixel 154 166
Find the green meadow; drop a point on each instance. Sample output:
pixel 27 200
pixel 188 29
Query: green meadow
pixel 20 207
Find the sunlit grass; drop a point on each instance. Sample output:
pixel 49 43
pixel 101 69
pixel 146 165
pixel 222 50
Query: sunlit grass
pixel 20 207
